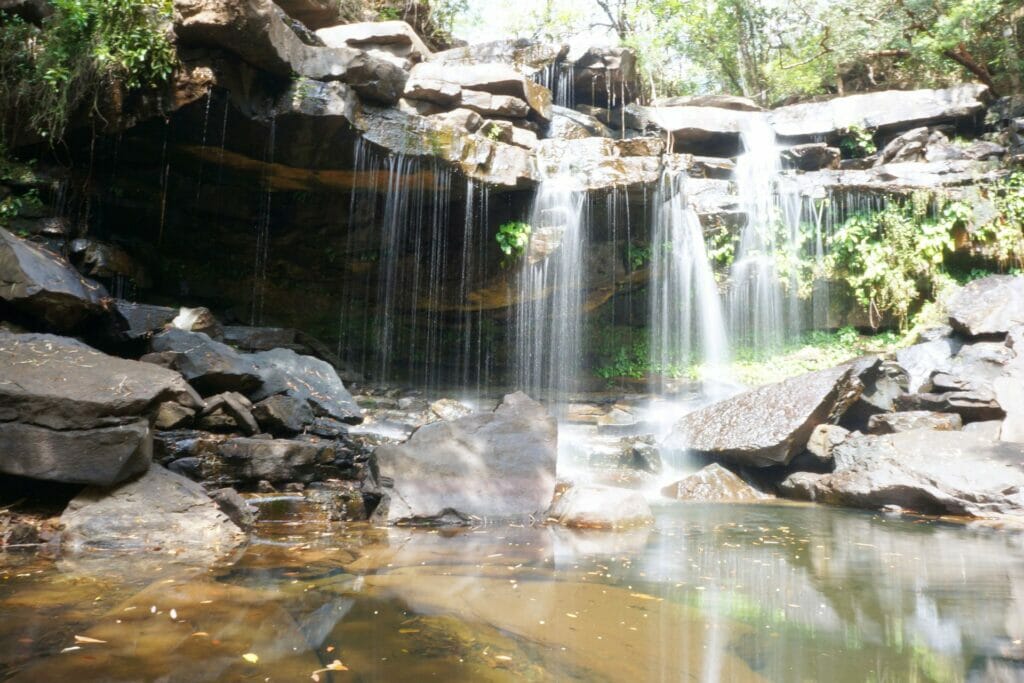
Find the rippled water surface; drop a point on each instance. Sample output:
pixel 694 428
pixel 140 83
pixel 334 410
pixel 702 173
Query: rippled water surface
pixel 737 593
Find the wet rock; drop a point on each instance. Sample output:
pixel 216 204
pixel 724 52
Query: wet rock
pixel 171 415
pixel 891 423
pixel 713 484
pixel 450 409
pixel 909 146
pixel 274 460
pixel 441 93
pixel 308 379
pixel 157 512
pixel 768 425
pixel 498 131
pixel 61 383
pixel 605 75
pixel 489 464
pixel 280 414
pixel 526 56
pixel 139 321
pixel 921 360
pixel 40 284
pixel 103 455
pixel 494 105
pixel 926 471
pixel 600 507
pixel 313 14
pixel 496 79
pixel 235 507
pixel 259 338
pixel 823 440
pixel 882 385
pixel 812 156
pixel 732 102
pixel 233 406
pixel 199 319
pixel 991 305
pixel 971 406
pixel 524 138
pixel 698 129
pixel 890 109
pixel 208 365
pixel 568 124
pixel 102 260
pixel 395 40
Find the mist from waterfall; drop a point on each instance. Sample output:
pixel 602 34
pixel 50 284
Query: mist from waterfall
pixel 687 324
pixel 549 312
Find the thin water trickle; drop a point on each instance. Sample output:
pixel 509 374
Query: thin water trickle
pixel 263 219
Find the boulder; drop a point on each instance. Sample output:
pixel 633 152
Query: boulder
pixel 172 415
pixel 282 371
pixel 489 464
pixel 600 507
pixel 909 146
pixel 60 383
pixel 570 124
pixel 890 423
pixel 823 440
pixel 313 14
pixel 768 425
pixel 971 406
pixel 441 93
pixel 139 321
pixel 199 319
pixel 102 456
pixel 231 405
pixel 927 471
pixel 42 285
pixel 249 338
pixel 102 260
pixel 247 460
pixel 732 102
pixel 605 76
pixel 157 512
pixel 713 484
pixel 449 409
pixel 394 39
pixel 208 365
pixel 523 55
pixel 494 105
pixel 698 129
pixel 237 509
pixel 886 110
pixel 281 414
pixel 921 360
pixel 811 156
pixel 496 79
pixel 989 306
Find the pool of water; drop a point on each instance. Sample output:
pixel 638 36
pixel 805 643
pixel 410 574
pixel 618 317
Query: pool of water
pixel 710 593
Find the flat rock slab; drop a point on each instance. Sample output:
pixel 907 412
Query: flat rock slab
pixel 45 286
pixel 601 507
pixel 158 512
pixel 713 484
pixel 991 305
pixel 492 464
pixel 103 456
pixel 61 383
pixel 768 425
pixel 958 473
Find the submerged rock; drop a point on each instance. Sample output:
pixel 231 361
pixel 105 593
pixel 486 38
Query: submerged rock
pixel 768 425
pixel 157 512
pixel 991 305
pixel 600 507
pixel 713 484
pixel 489 464
pixel 44 286
pixel 927 471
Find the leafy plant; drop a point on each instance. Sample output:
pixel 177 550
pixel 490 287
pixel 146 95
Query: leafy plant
pixel 512 238
pixel 638 255
pixel 858 142
pixel 1004 234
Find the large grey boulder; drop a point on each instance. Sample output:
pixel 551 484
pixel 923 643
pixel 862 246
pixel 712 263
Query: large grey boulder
pixel 603 75
pixel 60 383
pixel 768 425
pixel 600 507
pixel 139 321
pixel 490 464
pixel 158 512
pixel 394 41
pixel 928 471
pixel 44 286
pixel 102 456
pixel 991 305
pixel 208 365
pixel 308 379
pixel 921 360
pixel 890 109
pixel 713 484
pixel 245 460
pixel 698 128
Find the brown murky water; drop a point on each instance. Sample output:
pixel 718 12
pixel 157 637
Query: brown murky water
pixel 712 593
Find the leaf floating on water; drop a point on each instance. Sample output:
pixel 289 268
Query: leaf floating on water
pixel 503 658
pixel 408 630
pixel 200 634
pixel 81 640
pixel 571 615
pixel 251 657
pixel 336 665
pixel 71 649
pixel 174 613
pixel 645 596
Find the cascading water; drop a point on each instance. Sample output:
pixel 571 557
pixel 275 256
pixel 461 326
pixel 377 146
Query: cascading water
pixel 549 315
pixel 756 294
pixel 687 324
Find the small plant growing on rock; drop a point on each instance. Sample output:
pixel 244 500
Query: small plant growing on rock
pixel 858 142
pixel 512 238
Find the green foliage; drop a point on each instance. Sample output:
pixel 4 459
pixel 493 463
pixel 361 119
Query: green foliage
pixel 1004 234
pixel 857 142
pixel 388 13
pixel 889 258
pixel 84 46
pixel 638 255
pixel 721 246
pixel 512 239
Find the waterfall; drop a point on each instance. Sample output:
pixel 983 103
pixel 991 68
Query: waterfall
pixel 687 325
pixel 756 295
pixel 549 313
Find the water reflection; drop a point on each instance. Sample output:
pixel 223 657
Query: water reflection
pixel 739 593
